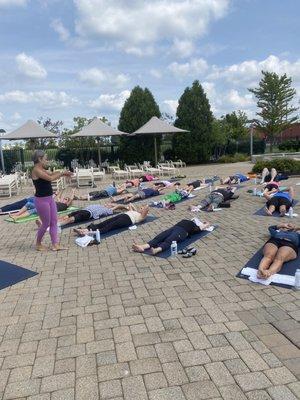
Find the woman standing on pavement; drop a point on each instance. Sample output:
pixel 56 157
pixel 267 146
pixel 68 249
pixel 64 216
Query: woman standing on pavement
pixel 44 201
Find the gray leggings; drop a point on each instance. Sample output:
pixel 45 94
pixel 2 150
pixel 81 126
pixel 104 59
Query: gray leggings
pixel 213 198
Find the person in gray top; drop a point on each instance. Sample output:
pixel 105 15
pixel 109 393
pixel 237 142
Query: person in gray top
pixel 91 212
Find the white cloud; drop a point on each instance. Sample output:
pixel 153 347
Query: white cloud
pixel 249 71
pixel 183 48
pixel 194 67
pixel 60 29
pixel 143 21
pixel 1 116
pixel 45 98
pixel 170 106
pixel 239 101
pixel 11 3
pixel 143 51
pixel 110 101
pixel 96 76
pixel 16 116
pixel 155 73
pixel 30 67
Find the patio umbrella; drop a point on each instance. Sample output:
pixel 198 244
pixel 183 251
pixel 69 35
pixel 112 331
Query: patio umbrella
pixel 29 130
pixel 157 127
pixel 97 128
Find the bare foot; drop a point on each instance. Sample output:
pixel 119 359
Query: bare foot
pixel 38 222
pixel 138 248
pixel 262 274
pixel 58 247
pixel 268 212
pixel 154 251
pixel 40 247
pixel 81 232
pixel 282 213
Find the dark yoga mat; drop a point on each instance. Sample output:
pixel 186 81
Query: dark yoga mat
pixel 276 214
pixel 182 245
pixel 11 274
pixel 150 218
pixel 288 268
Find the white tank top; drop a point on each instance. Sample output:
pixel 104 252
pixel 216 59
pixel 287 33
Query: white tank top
pixel 135 216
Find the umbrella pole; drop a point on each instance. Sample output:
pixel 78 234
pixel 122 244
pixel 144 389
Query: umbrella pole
pixel 99 153
pixel 155 151
pixel 2 157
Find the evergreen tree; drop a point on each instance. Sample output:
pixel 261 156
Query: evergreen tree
pixel 274 96
pixel 137 110
pixel 194 115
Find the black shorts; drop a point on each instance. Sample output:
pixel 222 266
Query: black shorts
pixel 277 202
pixel 268 178
pixel 195 184
pixel 271 186
pixel 80 215
pixel 283 243
pixel 100 194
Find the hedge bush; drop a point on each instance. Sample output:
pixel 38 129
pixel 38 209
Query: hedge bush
pixel 290 145
pixel 284 165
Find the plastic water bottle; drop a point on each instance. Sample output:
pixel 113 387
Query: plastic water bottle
pixel 297 280
pixel 173 249
pixel 210 187
pixel 58 229
pixel 255 181
pixel 98 236
pixel 239 181
pixel 163 202
pixel 254 191
pixel 291 212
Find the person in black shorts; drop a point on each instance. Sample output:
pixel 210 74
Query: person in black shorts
pixel 179 232
pixel 283 246
pixel 140 194
pixel 280 201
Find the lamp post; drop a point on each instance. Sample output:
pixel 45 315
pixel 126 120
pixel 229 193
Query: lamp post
pixel 2 131
pixel 251 140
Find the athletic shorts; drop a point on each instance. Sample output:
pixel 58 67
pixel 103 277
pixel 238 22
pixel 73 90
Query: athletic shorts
pixel 98 194
pixel 195 184
pixel 277 202
pixel 283 243
pixel 80 215
pixel 268 178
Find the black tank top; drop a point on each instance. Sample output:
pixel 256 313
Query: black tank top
pixel 43 188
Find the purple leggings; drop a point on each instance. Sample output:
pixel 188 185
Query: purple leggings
pixel 47 211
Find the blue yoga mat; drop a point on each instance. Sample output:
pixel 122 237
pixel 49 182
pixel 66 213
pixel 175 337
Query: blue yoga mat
pixel 276 214
pixel 11 274
pixel 288 268
pixel 182 245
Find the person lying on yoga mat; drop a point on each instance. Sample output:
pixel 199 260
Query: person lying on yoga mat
pixel 140 194
pixel 172 198
pixel 92 211
pixel 271 188
pixel 14 207
pixel 194 185
pixel 131 217
pixel 166 184
pixel 179 232
pixel 62 203
pixel 268 176
pixel 137 181
pixel 109 191
pixel 214 199
pixel 282 247
pixel 234 179
pixel 280 201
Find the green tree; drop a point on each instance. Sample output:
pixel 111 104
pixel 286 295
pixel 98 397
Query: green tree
pixel 137 110
pixel 194 115
pixel 275 97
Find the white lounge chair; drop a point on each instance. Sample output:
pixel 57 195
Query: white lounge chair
pixel 118 173
pixel 97 174
pixel 84 177
pixel 134 170
pixel 9 184
pixel 167 169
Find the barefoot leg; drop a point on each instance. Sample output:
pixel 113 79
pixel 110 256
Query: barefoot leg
pixel 155 250
pixel 140 248
pixel 270 210
pixel 282 211
pixel 269 251
pixel 283 255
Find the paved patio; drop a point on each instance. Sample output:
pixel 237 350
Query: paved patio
pixel 106 323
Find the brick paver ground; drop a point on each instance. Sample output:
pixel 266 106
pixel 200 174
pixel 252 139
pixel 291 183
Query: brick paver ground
pixel 106 323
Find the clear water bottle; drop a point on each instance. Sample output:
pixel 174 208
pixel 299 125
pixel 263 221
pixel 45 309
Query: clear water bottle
pixel 98 236
pixel 239 181
pixel 210 188
pixel 297 279
pixel 291 212
pixel 254 191
pixel 163 202
pixel 173 249
pixel 255 181
pixel 58 229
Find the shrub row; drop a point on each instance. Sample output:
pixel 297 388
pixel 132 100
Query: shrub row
pixel 284 165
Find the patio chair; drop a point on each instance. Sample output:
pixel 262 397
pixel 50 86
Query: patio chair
pixel 167 169
pixel 84 177
pixel 118 173
pixel 151 170
pixel 178 163
pixel 97 173
pixel 9 184
pixel 134 170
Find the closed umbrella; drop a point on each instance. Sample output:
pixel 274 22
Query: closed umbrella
pixel 29 130
pixel 157 127
pixel 97 128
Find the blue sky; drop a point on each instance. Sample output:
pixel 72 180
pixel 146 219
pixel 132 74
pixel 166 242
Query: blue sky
pixel 65 58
